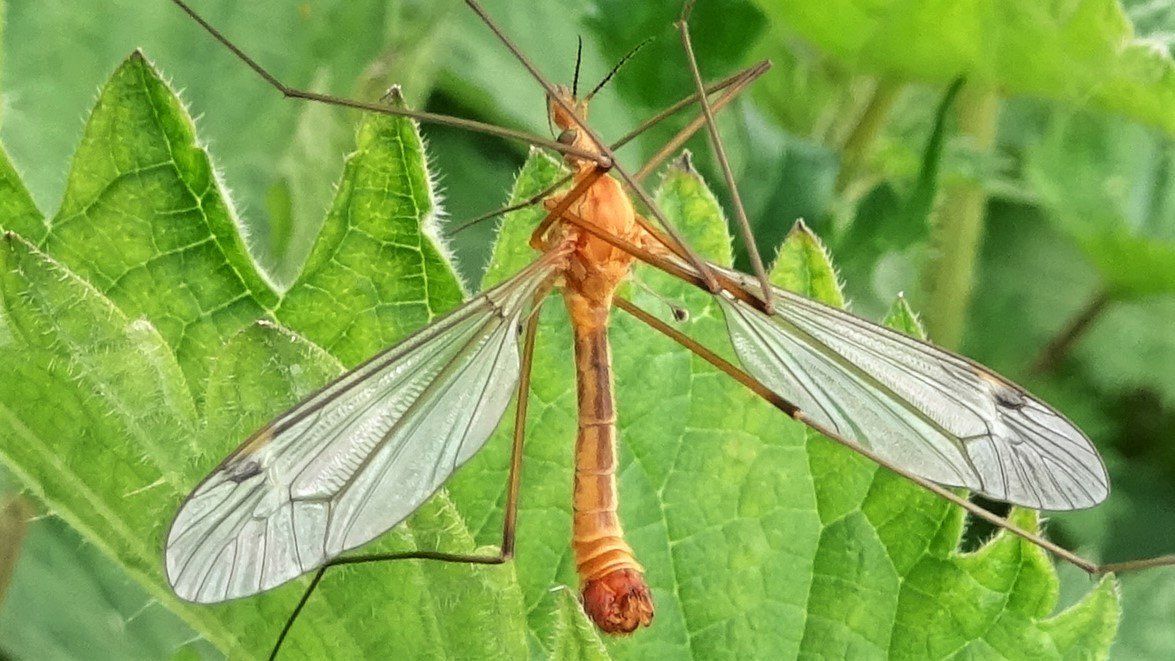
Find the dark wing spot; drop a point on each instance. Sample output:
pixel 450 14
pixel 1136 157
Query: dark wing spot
pixel 1009 398
pixel 244 471
pixel 1004 393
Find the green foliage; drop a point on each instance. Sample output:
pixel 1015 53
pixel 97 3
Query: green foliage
pixel 1078 51
pixel 123 388
pixel 141 341
pixel 1111 186
pixel 337 46
pixel 760 539
pixel 115 614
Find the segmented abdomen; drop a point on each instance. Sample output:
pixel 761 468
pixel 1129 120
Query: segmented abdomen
pixel 614 590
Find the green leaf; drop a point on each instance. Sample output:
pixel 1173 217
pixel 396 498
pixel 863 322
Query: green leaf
pixel 69 600
pixel 17 209
pixel 142 212
pixel 760 539
pixel 56 56
pixel 140 344
pixel 378 269
pixel 1083 51
pixel 1143 326
pixel 921 201
pixel 1107 195
pixel 903 318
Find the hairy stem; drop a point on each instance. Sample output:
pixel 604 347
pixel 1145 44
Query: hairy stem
pixel 869 124
pixel 957 226
pixel 14 517
pixel 1058 348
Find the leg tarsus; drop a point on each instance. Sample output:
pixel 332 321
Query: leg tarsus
pixel 281 637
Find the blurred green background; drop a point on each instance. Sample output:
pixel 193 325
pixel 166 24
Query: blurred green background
pixel 1037 233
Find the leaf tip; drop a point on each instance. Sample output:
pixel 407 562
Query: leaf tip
pixel 137 58
pixel 394 97
pixel 801 229
pixel 803 265
pixel 684 163
pixel 901 317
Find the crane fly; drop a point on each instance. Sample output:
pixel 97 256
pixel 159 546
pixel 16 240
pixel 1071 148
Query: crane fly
pixel 357 457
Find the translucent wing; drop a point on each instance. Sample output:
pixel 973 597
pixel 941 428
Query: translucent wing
pixel 925 409
pixel 357 457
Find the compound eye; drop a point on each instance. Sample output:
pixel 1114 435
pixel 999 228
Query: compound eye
pixel 568 137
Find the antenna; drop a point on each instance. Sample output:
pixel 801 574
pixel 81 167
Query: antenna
pixel 616 68
pixel 578 59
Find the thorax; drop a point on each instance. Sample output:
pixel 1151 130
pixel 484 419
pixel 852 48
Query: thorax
pixel 596 267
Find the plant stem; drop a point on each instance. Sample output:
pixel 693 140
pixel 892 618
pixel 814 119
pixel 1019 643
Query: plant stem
pixel 957 226
pixel 869 124
pixel 1058 348
pixel 14 516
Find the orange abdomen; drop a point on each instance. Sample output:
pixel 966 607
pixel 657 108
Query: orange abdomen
pixel 614 591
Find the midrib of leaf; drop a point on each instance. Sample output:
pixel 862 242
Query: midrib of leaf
pixel 108 388
pixel 200 620
pixel 82 492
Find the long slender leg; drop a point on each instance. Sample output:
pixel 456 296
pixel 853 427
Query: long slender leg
pixel 732 87
pixel 671 147
pixel 676 142
pixel 421 116
pixel 732 84
pixel 528 202
pixel 606 160
pixel 609 155
pixel 509 519
pixel 737 81
pixel 792 410
pixel 720 153
pixel 660 262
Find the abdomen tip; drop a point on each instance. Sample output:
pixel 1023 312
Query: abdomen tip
pixel 619 602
